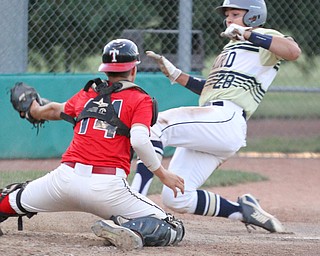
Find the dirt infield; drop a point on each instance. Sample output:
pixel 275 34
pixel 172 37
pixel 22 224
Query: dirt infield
pixel 292 193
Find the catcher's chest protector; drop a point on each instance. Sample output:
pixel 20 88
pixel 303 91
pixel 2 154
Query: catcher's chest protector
pixel 101 106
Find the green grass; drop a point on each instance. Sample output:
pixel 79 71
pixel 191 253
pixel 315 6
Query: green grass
pixel 289 105
pixel 218 178
pixel 302 72
pixel 283 144
pixel 8 177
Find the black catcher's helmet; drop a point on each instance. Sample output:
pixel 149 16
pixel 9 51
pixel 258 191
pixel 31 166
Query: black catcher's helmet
pixel 119 55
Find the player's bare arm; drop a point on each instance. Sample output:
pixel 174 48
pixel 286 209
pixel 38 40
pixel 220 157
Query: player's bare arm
pixel 171 180
pixel 183 79
pixel 284 47
pixel 51 111
pixel 175 75
pixel 140 141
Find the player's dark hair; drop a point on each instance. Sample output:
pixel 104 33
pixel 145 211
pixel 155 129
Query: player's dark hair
pixel 117 74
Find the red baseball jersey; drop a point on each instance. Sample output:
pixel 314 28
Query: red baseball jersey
pixel 95 142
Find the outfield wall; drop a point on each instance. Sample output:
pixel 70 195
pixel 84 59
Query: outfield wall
pixel 20 140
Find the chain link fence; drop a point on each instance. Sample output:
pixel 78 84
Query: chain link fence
pixel 64 36
pixel 69 35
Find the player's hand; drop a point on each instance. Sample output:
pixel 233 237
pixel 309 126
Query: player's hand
pixel 171 180
pixel 165 66
pixel 235 32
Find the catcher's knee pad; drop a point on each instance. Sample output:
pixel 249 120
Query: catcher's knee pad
pixel 154 231
pixel 8 190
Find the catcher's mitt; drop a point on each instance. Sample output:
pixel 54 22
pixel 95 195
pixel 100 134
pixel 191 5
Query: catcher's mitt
pixel 21 97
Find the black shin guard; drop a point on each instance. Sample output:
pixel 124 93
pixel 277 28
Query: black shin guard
pixel 154 231
pixel 8 190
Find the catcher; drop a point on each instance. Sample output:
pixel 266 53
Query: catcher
pixel 109 118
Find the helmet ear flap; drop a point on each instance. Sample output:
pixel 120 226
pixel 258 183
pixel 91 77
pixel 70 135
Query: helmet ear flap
pixel 254 19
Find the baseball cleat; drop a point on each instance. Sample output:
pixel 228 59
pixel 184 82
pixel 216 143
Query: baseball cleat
pixel 121 237
pixel 254 215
